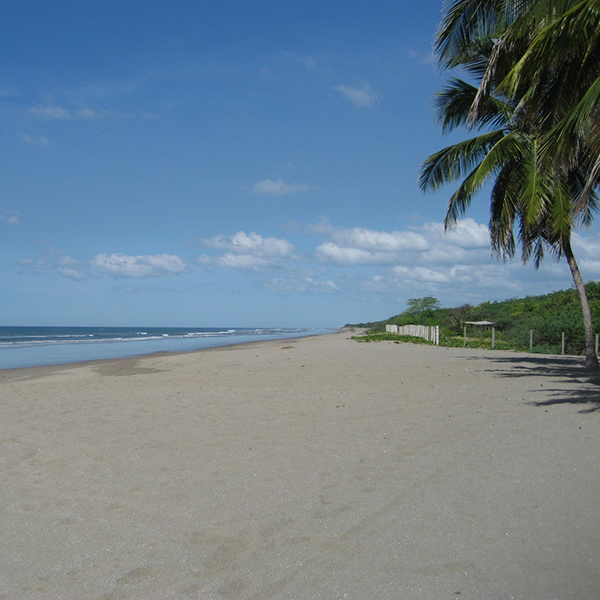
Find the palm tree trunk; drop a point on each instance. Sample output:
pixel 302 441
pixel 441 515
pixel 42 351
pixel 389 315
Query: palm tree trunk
pixel 591 360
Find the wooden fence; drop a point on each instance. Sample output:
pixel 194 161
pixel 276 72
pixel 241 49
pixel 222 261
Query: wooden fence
pixel 429 333
pixel 432 334
pixel 531 332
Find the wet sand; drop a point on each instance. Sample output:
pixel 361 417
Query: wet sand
pixel 314 468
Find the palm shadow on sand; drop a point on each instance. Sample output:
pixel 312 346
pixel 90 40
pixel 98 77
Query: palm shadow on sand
pixel 584 387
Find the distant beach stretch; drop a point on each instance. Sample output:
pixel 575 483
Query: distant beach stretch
pixel 305 469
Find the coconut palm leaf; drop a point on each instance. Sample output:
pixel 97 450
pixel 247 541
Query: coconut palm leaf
pixel 454 101
pixel 503 211
pixel 456 161
pixel 467 22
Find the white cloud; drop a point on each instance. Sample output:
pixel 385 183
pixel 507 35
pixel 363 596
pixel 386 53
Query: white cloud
pixel 421 274
pixel 382 241
pixel 325 285
pixel 364 96
pixel 428 244
pixel 457 284
pixel 466 233
pixel 116 265
pixel 591 267
pixel 37 140
pixel 307 61
pixel 359 246
pixel 278 188
pixel 425 59
pixel 11 217
pixel 301 285
pixel 121 265
pixel 152 289
pixel 239 261
pixel 329 251
pixel 252 243
pixel 54 260
pixel 247 251
pixel 50 111
pixel 586 247
pixel 86 113
pixel 457 266
pixel 70 273
pixel 54 111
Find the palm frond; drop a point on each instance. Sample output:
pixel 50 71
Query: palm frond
pixel 534 187
pixel 511 146
pixel 560 213
pixel 503 210
pixel 461 200
pixel 588 200
pixel 455 161
pixel 563 133
pixel 454 102
pixel 466 22
pixel 567 31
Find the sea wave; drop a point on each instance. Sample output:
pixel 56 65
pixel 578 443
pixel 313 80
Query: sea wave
pixel 26 347
pixel 17 339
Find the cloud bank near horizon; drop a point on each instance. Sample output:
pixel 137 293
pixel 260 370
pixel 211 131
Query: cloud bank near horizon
pixel 454 265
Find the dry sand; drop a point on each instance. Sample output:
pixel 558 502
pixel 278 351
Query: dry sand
pixel 317 468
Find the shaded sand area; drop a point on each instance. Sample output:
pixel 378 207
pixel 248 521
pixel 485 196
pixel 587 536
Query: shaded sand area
pixel 317 468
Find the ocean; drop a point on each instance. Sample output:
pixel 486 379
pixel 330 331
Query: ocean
pixel 37 346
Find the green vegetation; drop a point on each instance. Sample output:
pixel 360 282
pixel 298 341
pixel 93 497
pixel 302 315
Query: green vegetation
pixel 392 337
pixel 532 96
pixel 548 316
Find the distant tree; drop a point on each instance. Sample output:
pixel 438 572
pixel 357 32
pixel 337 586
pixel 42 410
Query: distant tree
pixel 457 316
pixel 420 306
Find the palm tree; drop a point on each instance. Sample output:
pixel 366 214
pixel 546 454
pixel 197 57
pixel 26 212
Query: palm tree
pixel 560 67
pixel 489 40
pixel 559 71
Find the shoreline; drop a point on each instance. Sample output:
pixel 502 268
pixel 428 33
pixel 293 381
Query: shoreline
pixel 222 342
pixel 308 468
pixel 49 369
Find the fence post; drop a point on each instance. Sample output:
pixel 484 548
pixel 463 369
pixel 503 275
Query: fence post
pixel 530 340
pixel 493 337
pixel 465 336
pixel 563 343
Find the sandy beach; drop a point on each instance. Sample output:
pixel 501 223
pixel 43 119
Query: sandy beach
pixel 315 468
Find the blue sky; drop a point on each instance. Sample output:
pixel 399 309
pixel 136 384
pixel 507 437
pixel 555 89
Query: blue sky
pixel 231 164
